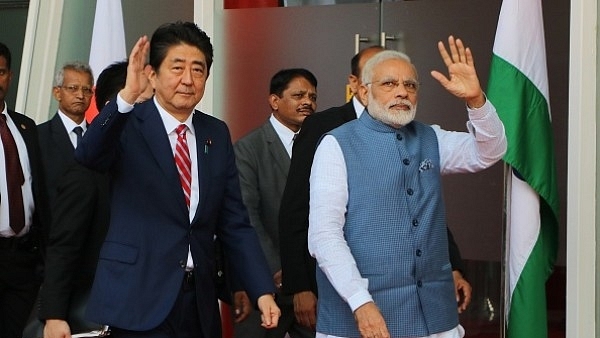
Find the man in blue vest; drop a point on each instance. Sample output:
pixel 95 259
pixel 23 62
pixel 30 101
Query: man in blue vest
pixel 377 218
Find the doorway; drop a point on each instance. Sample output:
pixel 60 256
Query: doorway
pixel 323 38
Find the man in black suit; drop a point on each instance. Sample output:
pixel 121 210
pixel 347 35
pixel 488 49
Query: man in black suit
pixel 298 267
pixel 80 221
pixel 73 89
pixel 22 211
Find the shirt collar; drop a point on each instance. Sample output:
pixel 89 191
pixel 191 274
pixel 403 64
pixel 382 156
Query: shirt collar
pixel 358 107
pixel 284 133
pixel 172 123
pixel 70 124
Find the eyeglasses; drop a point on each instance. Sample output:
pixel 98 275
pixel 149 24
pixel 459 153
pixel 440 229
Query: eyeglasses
pixel 411 86
pixel 87 91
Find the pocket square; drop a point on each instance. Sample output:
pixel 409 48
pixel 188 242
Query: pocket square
pixel 426 164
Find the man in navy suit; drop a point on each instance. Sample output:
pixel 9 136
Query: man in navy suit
pixel 79 222
pixel 155 275
pixel 20 249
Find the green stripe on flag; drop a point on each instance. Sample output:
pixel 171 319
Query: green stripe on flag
pixel 525 317
pixel 524 112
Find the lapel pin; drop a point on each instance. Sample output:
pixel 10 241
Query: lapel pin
pixel 207 144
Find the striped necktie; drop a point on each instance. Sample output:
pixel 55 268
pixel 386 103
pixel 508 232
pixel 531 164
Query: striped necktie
pixel 183 162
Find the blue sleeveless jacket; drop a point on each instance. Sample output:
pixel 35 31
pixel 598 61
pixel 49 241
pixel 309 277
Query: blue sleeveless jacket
pixel 396 230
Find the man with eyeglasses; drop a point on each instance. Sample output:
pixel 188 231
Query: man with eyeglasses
pixel 298 267
pixel 73 90
pixel 377 223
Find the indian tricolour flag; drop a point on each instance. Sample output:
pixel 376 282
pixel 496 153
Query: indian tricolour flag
pixel 518 87
pixel 108 41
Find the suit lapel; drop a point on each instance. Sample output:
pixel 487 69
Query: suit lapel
pixel 60 137
pixel 276 148
pixel 348 111
pixel 23 130
pixel 203 142
pixel 154 133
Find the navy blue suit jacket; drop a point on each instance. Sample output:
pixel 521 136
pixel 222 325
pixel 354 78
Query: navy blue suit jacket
pixel 142 261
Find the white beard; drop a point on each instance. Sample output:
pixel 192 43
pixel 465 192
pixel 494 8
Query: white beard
pixel 392 117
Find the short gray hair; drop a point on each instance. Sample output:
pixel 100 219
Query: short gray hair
pixel 367 72
pixel 77 66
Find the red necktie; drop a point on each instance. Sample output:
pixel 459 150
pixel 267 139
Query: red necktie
pixel 183 162
pixel 14 178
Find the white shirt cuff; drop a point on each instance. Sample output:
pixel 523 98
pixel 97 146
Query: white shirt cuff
pixel 359 299
pixel 122 105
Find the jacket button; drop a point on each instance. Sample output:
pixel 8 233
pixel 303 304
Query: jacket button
pixel 406 161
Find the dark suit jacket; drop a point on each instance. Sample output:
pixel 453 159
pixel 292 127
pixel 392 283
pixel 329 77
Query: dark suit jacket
pixel 142 261
pixel 298 267
pixel 263 164
pixel 57 152
pixel 28 130
pixel 80 220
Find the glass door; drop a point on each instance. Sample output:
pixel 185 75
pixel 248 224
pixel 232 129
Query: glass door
pixel 264 36
pixel 262 41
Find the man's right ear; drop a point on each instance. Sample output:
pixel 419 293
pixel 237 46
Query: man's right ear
pixel 274 102
pixel 56 93
pixel 363 94
pixel 353 83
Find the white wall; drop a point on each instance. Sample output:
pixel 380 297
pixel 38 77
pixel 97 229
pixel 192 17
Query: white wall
pixel 582 172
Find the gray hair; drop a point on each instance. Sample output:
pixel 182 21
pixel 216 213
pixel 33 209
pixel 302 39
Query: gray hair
pixel 367 72
pixel 77 66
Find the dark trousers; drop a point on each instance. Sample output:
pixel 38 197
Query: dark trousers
pixel 20 279
pixel 182 322
pixel 251 328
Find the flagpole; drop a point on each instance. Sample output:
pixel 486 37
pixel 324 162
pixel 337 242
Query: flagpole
pixel 505 250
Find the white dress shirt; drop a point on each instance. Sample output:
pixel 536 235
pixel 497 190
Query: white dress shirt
pixel 358 107
pixel 70 125
pixel 286 135
pixel 28 203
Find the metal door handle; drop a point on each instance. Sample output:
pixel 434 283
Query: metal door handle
pixel 399 38
pixel 385 38
pixel 357 40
